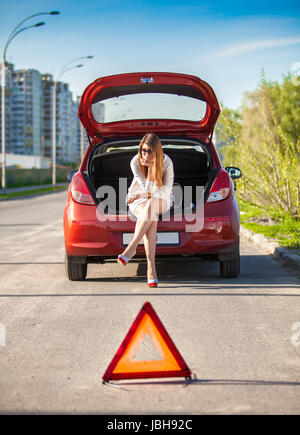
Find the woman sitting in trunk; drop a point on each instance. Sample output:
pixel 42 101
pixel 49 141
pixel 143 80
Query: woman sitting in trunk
pixel 149 195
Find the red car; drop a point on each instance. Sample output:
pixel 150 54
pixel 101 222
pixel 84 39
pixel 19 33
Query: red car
pixel 117 111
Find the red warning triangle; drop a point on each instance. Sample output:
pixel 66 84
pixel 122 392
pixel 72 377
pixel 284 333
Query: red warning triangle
pixel 171 365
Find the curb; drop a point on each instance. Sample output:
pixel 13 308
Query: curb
pixel 285 256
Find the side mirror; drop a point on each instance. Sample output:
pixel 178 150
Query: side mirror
pixel 234 172
pixel 70 175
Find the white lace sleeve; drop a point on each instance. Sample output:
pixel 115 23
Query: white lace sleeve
pixel 146 185
pixel 139 181
pixel 164 192
pixel 136 170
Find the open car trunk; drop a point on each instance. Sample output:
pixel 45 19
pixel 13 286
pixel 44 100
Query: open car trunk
pixel 110 162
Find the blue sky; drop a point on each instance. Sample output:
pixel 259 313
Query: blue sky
pixel 226 43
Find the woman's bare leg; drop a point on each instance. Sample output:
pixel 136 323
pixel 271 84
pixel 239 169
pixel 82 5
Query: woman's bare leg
pixel 146 214
pixel 150 240
pixel 150 247
pixel 141 226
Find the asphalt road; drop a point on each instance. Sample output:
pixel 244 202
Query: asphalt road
pixel 236 335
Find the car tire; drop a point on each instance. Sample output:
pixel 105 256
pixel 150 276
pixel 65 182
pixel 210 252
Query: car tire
pixel 230 268
pixel 75 271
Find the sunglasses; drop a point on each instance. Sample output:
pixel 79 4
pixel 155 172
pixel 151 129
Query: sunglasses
pixel 146 151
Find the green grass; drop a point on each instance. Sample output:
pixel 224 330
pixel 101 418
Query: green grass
pixel 5 196
pixel 248 210
pixel 286 231
pixel 35 183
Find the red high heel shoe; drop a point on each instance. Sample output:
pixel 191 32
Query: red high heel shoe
pixel 124 260
pixel 152 282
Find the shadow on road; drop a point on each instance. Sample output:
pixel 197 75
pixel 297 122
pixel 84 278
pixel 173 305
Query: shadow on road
pixel 19 225
pixel 146 294
pixel 260 276
pixel 36 262
pixel 255 270
pixel 201 382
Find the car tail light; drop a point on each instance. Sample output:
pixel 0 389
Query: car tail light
pixel 221 187
pixel 79 190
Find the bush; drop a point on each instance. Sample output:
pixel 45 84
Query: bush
pixel 30 177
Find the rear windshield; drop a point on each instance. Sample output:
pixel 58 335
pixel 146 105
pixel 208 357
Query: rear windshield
pixel 149 106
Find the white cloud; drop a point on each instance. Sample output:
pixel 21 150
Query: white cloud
pixel 245 47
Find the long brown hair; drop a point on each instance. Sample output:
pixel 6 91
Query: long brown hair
pixel 155 145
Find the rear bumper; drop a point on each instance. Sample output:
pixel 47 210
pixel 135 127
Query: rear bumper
pixel 90 238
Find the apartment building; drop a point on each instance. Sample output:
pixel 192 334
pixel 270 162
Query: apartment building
pixel 66 122
pixel 82 141
pixel 47 104
pixel 26 112
pixel 8 105
pixel 28 115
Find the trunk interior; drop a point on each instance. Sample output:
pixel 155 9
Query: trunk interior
pixel 108 163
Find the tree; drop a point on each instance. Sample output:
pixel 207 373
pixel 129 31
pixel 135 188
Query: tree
pixel 228 128
pixel 263 140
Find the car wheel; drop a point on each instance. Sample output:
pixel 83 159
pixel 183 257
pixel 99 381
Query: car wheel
pixel 230 268
pixel 75 271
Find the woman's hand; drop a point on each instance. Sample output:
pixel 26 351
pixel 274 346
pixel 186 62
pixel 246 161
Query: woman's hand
pixel 150 165
pixel 145 162
pixel 133 197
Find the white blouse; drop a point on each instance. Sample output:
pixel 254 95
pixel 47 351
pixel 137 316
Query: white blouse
pixel 142 185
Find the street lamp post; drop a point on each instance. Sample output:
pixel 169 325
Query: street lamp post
pixel 64 69
pixel 12 35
